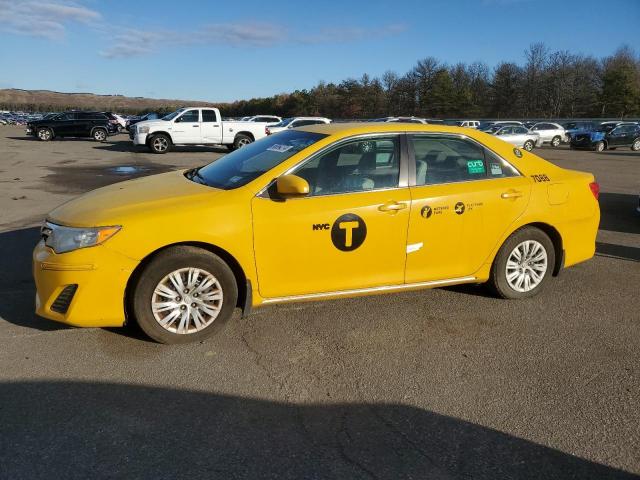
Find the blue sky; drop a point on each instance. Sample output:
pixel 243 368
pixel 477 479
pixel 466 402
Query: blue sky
pixel 223 51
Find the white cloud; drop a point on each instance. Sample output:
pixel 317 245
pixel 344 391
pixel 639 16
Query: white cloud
pixel 46 19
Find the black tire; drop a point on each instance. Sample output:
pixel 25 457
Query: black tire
pixel 230 147
pixel 498 279
pixel 120 129
pixel 169 261
pixel 45 134
pixel 556 141
pixel 635 146
pixel 160 143
pixel 600 147
pixel 241 140
pixel 528 145
pixel 99 134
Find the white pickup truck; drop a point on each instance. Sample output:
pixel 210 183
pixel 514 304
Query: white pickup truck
pixel 195 126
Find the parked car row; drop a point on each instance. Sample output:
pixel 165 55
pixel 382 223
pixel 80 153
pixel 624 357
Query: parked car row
pixel 96 125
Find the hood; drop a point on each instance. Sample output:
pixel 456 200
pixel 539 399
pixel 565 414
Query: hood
pixel 151 122
pixel 123 202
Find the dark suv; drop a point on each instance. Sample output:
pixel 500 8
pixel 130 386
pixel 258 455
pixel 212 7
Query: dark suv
pixel 73 124
pixel 609 135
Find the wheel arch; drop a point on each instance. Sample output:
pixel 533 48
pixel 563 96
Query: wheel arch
pixel 556 239
pixel 150 135
pixel 247 133
pixel 244 286
pixel 101 127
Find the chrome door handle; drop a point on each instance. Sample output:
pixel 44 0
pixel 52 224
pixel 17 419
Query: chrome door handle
pixel 392 206
pixel 511 194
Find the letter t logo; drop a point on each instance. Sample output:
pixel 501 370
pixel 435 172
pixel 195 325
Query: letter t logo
pixel 348 227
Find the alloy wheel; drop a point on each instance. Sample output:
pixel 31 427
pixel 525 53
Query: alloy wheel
pixel 526 266
pixel 160 144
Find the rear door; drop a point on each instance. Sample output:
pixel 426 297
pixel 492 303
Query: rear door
pixel 186 128
pixel 463 198
pixel 64 124
pixel 211 127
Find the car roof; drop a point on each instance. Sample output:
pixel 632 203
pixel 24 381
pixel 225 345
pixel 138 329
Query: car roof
pixel 357 128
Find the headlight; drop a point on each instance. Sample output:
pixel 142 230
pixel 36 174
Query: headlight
pixel 143 129
pixel 65 239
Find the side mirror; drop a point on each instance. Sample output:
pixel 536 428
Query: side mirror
pixel 292 186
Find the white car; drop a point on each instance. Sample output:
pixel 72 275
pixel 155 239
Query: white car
pixel 269 119
pixel 122 122
pixel 492 125
pixel 194 126
pixel 468 123
pixel 552 133
pixel 294 122
pixel 518 136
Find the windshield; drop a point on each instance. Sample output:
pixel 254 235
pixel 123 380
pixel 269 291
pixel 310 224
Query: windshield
pixel 606 127
pixel 248 163
pixel 173 115
pixel 283 123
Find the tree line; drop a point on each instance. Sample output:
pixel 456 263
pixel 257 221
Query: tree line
pixel 548 85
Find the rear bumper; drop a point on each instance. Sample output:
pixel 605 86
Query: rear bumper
pixel 84 288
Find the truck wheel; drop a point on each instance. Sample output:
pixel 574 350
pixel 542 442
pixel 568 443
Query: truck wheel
pixel 242 140
pixel 523 264
pixel 45 134
pixel 99 134
pixel 528 145
pixel 184 294
pixel 600 147
pixel 555 141
pixel 160 143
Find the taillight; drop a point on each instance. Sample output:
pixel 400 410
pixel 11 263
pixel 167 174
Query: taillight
pixel 595 189
pixel 267 131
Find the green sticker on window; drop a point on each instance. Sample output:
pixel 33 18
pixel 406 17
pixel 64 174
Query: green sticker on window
pixel 475 167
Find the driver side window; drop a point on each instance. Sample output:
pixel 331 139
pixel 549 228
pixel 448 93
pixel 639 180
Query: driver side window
pixel 190 116
pixel 355 166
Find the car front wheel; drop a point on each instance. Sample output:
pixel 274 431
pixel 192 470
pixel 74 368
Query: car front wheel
pixel 523 264
pixel 636 145
pixel 600 147
pixel 160 143
pixel 184 294
pixel 528 145
pixel 45 134
pixel 555 141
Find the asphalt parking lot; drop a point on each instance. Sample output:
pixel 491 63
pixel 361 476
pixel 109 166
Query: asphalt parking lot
pixel 444 383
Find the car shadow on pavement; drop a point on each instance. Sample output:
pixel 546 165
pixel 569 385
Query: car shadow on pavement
pixel 107 430
pixel 618 212
pixel 127 146
pixel 17 290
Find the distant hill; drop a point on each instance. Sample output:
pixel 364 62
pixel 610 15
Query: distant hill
pixel 49 101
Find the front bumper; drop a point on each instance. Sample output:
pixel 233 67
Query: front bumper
pixel 84 288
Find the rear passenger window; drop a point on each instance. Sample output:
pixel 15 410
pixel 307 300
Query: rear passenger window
pixel 447 160
pixel 209 116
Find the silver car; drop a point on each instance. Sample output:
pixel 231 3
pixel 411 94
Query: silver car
pixel 551 133
pixel 518 136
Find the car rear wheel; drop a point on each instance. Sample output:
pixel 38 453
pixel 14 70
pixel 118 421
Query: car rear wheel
pixel 555 141
pixel 99 135
pixel 600 146
pixel 45 134
pixel 184 294
pixel 635 146
pixel 242 140
pixel 160 143
pixel 523 264
pixel 528 145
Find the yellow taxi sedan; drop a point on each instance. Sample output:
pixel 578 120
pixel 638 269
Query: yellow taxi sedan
pixel 321 212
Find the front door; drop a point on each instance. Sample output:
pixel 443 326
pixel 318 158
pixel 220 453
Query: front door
pixel 349 233
pixel 463 200
pixel 186 128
